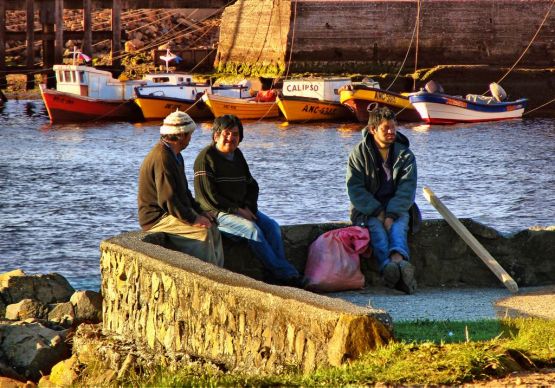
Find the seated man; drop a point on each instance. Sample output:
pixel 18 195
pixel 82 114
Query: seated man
pixel 381 183
pixel 224 186
pixel 165 201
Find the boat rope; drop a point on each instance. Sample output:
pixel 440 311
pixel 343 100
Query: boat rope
pixel 529 44
pixel 541 106
pixel 416 45
pixel 406 54
pixel 289 59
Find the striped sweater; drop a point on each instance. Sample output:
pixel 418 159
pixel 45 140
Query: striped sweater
pixel 224 185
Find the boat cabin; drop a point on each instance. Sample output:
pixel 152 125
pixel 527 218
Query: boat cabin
pixel 169 78
pixel 87 81
pixel 324 89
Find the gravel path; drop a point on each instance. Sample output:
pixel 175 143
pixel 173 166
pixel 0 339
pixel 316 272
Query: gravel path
pixel 456 304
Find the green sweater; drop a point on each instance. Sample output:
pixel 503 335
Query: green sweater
pixel 224 185
pixel 163 189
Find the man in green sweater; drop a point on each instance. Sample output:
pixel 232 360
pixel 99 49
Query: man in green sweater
pixel 165 201
pixel 225 187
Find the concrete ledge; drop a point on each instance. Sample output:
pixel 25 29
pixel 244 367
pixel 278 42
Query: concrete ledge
pixel 176 302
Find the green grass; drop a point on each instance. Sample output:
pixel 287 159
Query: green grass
pixel 450 331
pixel 423 354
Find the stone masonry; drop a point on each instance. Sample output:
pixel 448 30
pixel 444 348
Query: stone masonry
pixel 175 302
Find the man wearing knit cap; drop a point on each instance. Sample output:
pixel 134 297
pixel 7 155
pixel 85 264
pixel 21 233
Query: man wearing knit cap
pixel 165 201
pixel 225 186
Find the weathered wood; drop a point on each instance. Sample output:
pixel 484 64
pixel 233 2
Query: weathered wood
pixel 116 33
pixel 30 39
pixel 59 30
pixel 75 35
pixel 472 242
pixel 87 27
pixel 3 82
pixel 130 4
pixel 47 20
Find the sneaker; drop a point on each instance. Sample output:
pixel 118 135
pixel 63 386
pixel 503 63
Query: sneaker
pixel 391 274
pixel 407 282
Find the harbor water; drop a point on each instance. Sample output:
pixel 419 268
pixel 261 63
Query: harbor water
pixel 65 188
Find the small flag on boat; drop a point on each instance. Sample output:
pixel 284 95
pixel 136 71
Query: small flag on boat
pixel 84 57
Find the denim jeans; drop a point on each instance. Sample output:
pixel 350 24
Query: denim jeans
pixel 264 239
pixel 384 242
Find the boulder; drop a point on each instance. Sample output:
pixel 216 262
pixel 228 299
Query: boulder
pixel 31 348
pixel 62 314
pixel 27 308
pixel 50 288
pixel 65 373
pixel 87 306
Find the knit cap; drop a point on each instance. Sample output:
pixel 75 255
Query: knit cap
pixel 177 123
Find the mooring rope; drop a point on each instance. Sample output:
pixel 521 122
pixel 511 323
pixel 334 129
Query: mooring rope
pixel 529 44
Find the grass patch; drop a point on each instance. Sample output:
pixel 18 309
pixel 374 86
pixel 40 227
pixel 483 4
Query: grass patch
pixel 450 331
pixel 421 356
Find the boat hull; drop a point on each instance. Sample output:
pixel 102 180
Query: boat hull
pixel 357 99
pixel 443 109
pixel 67 107
pixel 309 109
pixel 155 108
pixel 242 108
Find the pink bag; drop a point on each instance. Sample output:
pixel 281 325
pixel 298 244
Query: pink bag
pixel 333 260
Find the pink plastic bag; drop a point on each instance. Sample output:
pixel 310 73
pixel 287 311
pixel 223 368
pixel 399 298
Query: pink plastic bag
pixel 333 260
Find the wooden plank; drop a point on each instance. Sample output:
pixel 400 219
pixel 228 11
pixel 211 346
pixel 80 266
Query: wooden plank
pixel 87 27
pixel 75 35
pixel 474 244
pixel 3 82
pixel 131 4
pixel 59 31
pixel 30 39
pixel 116 32
pixel 47 20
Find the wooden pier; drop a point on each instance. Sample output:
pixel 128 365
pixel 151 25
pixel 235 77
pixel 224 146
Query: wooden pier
pixel 53 36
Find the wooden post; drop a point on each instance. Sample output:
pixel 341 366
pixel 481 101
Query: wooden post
pixel 30 37
pixel 116 33
pixel 478 248
pixel 87 28
pixel 59 35
pixel 47 20
pixel 3 81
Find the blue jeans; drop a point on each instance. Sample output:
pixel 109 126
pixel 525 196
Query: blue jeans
pixel 264 239
pixel 384 242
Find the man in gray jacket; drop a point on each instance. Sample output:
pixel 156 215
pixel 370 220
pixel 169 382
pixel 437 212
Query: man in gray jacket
pixel 381 183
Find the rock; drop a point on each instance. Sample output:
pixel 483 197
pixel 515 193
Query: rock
pixel 87 306
pixel 6 382
pixel 7 275
pixel 62 314
pixel 27 308
pixel 65 373
pixel 50 288
pixel 32 349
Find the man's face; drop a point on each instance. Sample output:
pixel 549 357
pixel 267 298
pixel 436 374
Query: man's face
pixel 227 140
pixel 384 135
pixel 184 140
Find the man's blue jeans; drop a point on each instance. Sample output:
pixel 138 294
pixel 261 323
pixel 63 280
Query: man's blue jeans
pixel 264 239
pixel 384 242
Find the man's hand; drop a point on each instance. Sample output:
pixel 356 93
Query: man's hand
pixel 387 223
pixel 211 216
pixel 202 221
pixel 381 216
pixel 246 213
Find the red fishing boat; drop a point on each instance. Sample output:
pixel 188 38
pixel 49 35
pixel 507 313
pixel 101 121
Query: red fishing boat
pixel 84 93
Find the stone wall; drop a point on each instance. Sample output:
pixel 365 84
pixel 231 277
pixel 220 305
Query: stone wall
pixel 366 35
pixel 441 257
pixel 175 302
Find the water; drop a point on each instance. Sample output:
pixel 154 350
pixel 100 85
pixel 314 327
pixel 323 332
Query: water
pixel 65 188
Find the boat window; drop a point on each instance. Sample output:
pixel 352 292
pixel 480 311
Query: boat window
pixel 82 77
pixel 67 76
pixel 60 76
pixel 160 80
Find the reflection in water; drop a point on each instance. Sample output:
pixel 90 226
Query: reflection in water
pixel 65 188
